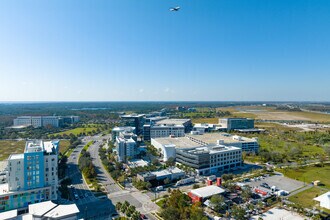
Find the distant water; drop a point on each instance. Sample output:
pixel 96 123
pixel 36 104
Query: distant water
pixel 90 109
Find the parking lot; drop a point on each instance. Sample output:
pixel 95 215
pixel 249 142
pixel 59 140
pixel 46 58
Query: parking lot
pixel 281 182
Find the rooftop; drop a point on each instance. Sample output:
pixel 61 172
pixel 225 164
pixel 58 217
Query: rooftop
pixel 16 156
pixel 167 171
pixel 9 214
pixel 50 209
pixel 207 191
pixel 40 145
pixel 212 149
pixel 174 121
pixel 179 142
pixel 211 138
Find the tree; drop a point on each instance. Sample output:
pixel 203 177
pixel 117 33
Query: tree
pixel 170 162
pixel 238 212
pixel 155 162
pixel 246 193
pixel 118 205
pixel 217 202
pixel 196 212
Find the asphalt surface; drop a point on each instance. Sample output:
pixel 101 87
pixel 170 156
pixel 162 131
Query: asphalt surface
pixel 115 193
pixel 90 207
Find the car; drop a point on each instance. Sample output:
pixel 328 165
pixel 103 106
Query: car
pixel 143 216
pixel 81 196
pixel 76 197
pixel 86 195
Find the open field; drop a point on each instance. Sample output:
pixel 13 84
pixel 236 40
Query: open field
pixel 10 147
pixel 267 113
pixel 76 131
pixel 205 120
pixel 64 146
pixel 305 198
pixel 310 173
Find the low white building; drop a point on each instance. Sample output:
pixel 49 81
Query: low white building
pixel 324 200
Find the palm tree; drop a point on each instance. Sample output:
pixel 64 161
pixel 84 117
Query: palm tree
pixel 118 205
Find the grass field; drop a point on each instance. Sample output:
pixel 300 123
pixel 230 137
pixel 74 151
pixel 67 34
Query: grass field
pixel 10 147
pixel 64 146
pixel 310 173
pixel 76 131
pixel 205 120
pixel 305 198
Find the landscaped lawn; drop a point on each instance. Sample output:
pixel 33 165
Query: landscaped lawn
pixel 10 147
pixel 305 198
pixel 310 173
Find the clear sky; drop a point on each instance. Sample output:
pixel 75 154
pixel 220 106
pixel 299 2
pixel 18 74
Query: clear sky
pixel 127 50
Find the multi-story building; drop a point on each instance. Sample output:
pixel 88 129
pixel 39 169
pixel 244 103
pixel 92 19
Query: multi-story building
pixel 126 149
pixel 116 131
pixel 236 123
pixel 210 159
pixel 166 127
pixel 42 121
pixel 134 120
pixel 32 176
pixel 249 145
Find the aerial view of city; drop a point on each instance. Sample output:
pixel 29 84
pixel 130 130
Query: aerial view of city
pixel 165 110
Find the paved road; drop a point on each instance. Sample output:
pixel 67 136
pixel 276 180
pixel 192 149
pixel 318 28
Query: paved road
pixel 141 201
pixel 90 207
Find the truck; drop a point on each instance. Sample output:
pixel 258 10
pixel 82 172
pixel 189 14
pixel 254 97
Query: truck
pixel 159 188
pixel 185 181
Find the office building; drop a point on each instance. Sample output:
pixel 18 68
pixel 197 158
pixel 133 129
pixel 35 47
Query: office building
pixel 210 159
pixel 32 176
pixel 166 127
pixel 168 145
pixel 249 145
pixel 236 123
pixel 174 121
pixel 44 121
pixel 134 120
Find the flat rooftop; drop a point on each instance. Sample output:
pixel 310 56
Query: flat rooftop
pixel 212 138
pixel 174 121
pixel 212 149
pixel 16 156
pixel 40 145
pixel 179 142
pixel 52 210
pixel 207 191
pixel 167 171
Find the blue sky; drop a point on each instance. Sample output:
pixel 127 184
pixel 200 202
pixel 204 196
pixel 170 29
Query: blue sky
pixel 122 50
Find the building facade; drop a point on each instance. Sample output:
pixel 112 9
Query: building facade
pixel 134 120
pixel 210 159
pixel 43 121
pixel 32 176
pixel 236 123
pixel 126 149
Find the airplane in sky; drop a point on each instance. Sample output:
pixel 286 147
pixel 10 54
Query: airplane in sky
pixel 175 8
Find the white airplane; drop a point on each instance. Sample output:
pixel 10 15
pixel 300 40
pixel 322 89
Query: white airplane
pixel 175 8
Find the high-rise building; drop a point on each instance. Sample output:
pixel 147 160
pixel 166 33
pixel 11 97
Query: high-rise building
pixel 126 149
pixel 134 120
pixel 32 176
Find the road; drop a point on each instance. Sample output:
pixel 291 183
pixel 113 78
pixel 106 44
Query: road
pixel 115 193
pixel 90 207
